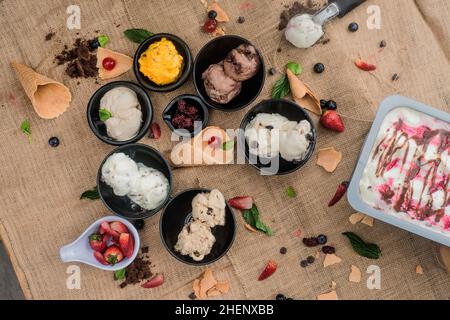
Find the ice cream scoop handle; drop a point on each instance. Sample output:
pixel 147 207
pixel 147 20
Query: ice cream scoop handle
pixel 345 6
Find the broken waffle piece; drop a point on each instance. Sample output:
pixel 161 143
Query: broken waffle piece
pixel 355 274
pixel 331 259
pixel 207 286
pixel 419 269
pixel 329 158
pixel 332 295
pixel 368 221
pixel 356 217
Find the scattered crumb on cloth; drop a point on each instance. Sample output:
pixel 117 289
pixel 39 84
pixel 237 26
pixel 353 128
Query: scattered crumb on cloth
pixel 355 274
pixel 331 259
pixel 332 295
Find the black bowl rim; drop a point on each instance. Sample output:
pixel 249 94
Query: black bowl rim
pixel 148 213
pixel 307 117
pixel 148 106
pixel 202 105
pixel 171 251
pixel 172 86
pixel 261 58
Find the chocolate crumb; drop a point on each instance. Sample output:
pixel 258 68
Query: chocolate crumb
pixel 279 50
pixel 241 19
pixel 49 36
pixel 80 59
pixel 395 77
pixel 382 44
pixel 144 249
pixel 192 296
pixel 296 8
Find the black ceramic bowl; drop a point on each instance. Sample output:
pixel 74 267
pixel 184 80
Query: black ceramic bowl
pixel 171 109
pixel 182 49
pixel 98 127
pixel 179 212
pixel 215 51
pixel 293 112
pixel 123 206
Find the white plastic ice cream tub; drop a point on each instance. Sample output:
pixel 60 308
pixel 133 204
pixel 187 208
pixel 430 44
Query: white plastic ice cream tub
pixel 398 219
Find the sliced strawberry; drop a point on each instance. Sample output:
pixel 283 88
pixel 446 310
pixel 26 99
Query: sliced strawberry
pixel 106 228
pixel 154 282
pixel 215 142
pixel 124 242
pixel 119 227
pixel 361 64
pixel 97 243
pixel 241 203
pixel 100 258
pixel 332 121
pixel 113 255
pixel 130 250
pixel 155 131
pixel 269 270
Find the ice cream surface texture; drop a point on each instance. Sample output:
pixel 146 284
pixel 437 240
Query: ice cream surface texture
pixel 161 62
pixel 209 208
pixel 407 174
pixel 126 116
pixel 147 187
pixel 271 134
pixel 302 31
pixel 220 87
pixel 242 63
pixel 195 240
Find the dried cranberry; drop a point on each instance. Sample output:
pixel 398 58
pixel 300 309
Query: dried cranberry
pixel 182 105
pixel 328 250
pixel 310 242
pixel 210 25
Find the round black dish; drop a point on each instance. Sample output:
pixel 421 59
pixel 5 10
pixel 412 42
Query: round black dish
pixel 293 112
pixel 179 212
pixel 215 51
pixel 182 49
pixel 171 108
pixel 123 206
pixel 98 127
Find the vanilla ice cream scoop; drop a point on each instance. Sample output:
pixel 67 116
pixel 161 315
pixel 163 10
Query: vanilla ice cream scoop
pixel 120 172
pixel 304 30
pixel 126 115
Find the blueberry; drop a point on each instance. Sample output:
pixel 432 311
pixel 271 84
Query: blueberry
pixel 319 68
pixel 323 103
pixel 53 142
pixel 353 27
pixel 139 224
pixel 280 296
pixel 94 43
pixel 310 259
pixel 212 14
pixel 331 105
pixel 303 263
pixel 322 239
pixel 241 19
pixel 283 250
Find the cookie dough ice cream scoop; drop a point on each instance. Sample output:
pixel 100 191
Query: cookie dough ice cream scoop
pixel 304 30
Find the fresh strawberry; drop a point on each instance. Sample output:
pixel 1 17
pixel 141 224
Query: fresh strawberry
pixel 106 228
pixel 130 250
pixel 124 242
pixel 154 282
pixel 97 242
pixel 332 121
pixel 155 131
pixel 119 227
pixel 341 190
pixel 269 270
pixel 241 203
pixel 361 64
pixel 113 255
pixel 100 258
pixel 214 142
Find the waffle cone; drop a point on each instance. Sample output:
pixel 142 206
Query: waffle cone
pixel 49 98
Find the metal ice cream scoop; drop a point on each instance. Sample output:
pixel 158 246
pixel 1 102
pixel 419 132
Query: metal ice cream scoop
pixel 304 30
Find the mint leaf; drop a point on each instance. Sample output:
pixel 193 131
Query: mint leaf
pixel 295 68
pixel 228 145
pixel 291 193
pixel 251 217
pixel 367 250
pixel 137 35
pixel 26 129
pixel 119 274
pixel 104 114
pixel 281 88
pixel 90 194
pixel 103 40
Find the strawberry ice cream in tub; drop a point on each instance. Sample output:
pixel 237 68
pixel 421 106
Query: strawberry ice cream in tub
pixel 402 175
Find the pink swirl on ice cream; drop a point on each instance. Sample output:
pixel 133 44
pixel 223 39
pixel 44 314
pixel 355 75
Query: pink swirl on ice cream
pixel 408 171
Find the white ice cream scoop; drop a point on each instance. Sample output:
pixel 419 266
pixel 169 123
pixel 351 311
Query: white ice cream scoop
pixel 304 30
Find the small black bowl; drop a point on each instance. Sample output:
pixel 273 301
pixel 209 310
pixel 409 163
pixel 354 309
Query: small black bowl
pixel 293 112
pixel 171 109
pixel 179 212
pixel 98 127
pixel 215 51
pixel 182 49
pixel 123 206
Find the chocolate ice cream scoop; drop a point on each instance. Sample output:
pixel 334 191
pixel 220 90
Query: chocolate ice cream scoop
pixel 219 87
pixel 242 63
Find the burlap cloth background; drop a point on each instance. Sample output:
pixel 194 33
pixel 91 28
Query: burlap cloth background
pixel 40 186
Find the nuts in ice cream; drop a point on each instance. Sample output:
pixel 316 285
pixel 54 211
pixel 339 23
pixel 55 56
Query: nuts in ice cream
pixel 126 116
pixel 147 187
